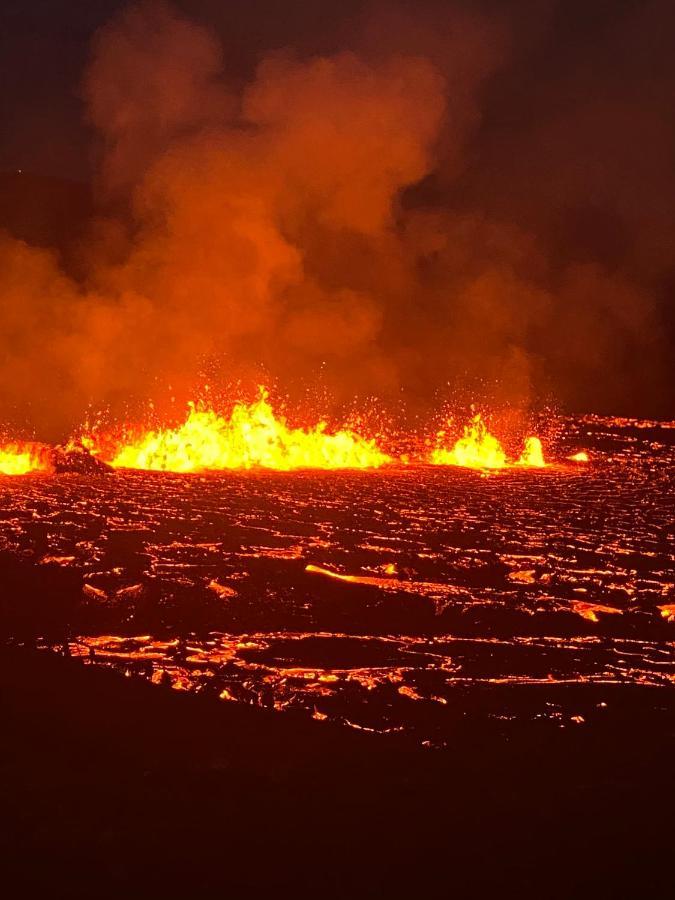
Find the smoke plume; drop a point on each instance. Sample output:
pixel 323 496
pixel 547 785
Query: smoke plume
pixel 341 212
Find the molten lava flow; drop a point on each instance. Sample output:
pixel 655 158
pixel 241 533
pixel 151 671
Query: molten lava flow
pixel 252 436
pixel 22 457
pixel 532 454
pixel 476 449
pixel 590 610
pixel 580 457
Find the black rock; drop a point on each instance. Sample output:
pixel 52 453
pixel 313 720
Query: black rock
pixel 74 457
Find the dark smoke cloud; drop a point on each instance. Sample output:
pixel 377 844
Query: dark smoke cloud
pixel 371 202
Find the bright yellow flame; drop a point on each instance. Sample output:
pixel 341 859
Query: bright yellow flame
pixel 20 458
pixel 533 454
pixel 581 456
pixel 252 436
pixel 476 449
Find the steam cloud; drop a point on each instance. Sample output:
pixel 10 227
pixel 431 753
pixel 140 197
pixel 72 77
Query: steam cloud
pixel 310 219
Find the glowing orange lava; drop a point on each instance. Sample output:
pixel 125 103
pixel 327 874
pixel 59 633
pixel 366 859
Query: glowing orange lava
pixel 590 610
pixel 23 457
pixel 533 454
pixel 580 457
pixel 253 436
pixel 478 449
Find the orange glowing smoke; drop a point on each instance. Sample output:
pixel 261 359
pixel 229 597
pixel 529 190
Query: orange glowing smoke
pixel 478 449
pixel 22 457
pixel 253 436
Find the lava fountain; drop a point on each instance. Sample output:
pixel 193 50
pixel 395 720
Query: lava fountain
pixel 19 458
pixel 533 454
pixel 479 449
pixel 253 436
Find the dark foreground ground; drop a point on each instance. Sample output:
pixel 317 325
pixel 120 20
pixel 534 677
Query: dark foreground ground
pixel 113 787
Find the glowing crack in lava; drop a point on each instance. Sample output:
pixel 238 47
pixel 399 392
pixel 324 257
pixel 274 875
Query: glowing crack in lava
pixel 253 436
pixel 478 449
pixel 23 457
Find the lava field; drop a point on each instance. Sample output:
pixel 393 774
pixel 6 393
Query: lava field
pixel 396 600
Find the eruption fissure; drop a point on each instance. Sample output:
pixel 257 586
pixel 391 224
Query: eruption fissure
pixel 253 435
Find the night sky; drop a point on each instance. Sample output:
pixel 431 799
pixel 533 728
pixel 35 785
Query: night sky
pixel 534 222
